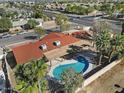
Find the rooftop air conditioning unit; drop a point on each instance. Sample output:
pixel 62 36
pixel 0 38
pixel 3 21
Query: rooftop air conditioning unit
pixel 43 47
pixel 57 43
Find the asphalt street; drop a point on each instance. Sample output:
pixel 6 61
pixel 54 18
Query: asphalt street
pixel 81 21
pixel 18 38
pixel 88 20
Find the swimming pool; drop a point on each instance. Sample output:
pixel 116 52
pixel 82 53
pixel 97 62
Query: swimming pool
pixel 80 65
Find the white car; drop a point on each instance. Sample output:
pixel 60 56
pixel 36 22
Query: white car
pixel 6 36
pixel 21 32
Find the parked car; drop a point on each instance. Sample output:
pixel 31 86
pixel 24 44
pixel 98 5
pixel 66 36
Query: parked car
pixel 21 32
pixel 6 35
pixel 0 36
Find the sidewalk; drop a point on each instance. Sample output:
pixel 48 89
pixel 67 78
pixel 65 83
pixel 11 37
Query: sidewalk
pixel 1 53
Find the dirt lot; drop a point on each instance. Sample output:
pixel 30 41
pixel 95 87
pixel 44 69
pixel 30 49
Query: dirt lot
pixel 105 83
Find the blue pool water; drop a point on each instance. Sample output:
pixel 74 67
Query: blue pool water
pixel 80 65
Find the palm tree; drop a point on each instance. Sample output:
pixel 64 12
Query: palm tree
pixel 102 43
pixel 41 72
pixel 29 75
pixel 44 84
pixel 122 32
pixel 116 46
pixel 101 38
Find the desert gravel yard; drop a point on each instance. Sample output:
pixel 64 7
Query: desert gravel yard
pixel 105 83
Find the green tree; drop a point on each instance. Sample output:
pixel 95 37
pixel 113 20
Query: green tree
pixel 107 8
pixel 122 32
pixel 68 8
pixel 5 24
pixel 116 46
pixel 40 31
pixel 102 39
pixel 44 85
pixel 41 15
pixel 71 80
pixel 62 20
pixel 2 12
pixel 38 12
pixel 11 14
pixel 78 9
pixel 106 45
pixel 28 76
pixel 97 7
pixel 102 44
pixel 37 7
pixel 45 17
pixel 32 23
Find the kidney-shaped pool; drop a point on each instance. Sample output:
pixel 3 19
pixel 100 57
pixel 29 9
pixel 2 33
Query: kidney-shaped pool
pixel 80 65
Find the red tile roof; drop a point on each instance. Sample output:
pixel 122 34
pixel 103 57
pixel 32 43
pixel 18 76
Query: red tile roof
pixel 81 34
pixel 27 52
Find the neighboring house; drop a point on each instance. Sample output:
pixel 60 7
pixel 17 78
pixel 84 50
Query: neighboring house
pixel 117 15
pixel 40 22
pixel 96 13
pixel 37 49
pixel 49 24
pixel 55 6
pixel 21 24
pixel 17 25
pixel 81 35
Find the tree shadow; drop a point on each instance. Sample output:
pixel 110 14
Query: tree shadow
pixel 7 83
pixel 74 51
pixel 11 60
pixel 54 85
pixel 30 37
pixel 118 86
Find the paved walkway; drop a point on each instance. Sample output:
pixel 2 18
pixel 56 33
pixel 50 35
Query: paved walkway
pixel 1 52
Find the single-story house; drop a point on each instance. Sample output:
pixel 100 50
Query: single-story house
pixel 37 49
pixel 17 25
pixel 20 25
pixel 49 24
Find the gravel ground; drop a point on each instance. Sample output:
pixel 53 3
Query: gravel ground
pixel 105 83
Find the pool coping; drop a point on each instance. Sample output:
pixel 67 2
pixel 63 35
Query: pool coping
pixel 62 63
pixel 90 67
